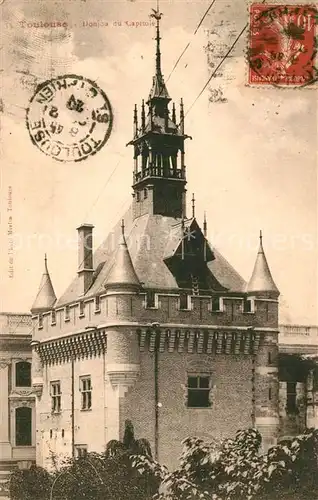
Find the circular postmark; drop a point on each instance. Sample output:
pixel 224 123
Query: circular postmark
pixel 69 118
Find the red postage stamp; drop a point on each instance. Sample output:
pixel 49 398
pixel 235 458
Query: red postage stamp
pixel 282 45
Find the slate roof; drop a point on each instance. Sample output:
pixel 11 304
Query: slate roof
pixel 46 297
pixel 148 237
pixel 261 279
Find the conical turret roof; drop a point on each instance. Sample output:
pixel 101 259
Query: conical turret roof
pixel 46 297
pixel 261 279
pixel 122 274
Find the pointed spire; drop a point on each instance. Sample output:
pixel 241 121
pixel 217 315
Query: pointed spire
pixel 205 226
pixel 46 297
pixel 181 117
pixel 174 119
pixel 193 205
pixel 261 280
pixel 158 86
pixel 135 121
pixel 122 275
pixel 143 116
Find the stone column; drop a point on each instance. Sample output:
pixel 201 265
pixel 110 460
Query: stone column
pixel 267 390
pixel 5 446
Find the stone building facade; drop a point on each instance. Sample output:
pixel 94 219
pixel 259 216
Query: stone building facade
pixel 157 326
pixel 17 405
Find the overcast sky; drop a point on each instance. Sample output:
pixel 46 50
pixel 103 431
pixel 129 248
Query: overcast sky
pixel 252 162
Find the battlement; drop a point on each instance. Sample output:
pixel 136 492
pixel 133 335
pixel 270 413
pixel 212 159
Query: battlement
pixel 152 307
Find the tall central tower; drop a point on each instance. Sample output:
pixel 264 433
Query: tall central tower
pixel 159 162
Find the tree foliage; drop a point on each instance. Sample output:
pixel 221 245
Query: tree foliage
pixel 105 476
pixel 236 470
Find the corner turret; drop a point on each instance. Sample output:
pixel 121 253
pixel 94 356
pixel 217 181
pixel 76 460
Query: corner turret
pixel 261 281
pixel 46 297
pixel 122 275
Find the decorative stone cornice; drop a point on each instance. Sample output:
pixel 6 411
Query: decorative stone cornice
pixel 82 346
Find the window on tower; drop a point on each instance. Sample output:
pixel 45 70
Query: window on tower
pixel 151 299
pixel 56 396
pixel 216 304
pixel 145 193
pixel 291 404
pixel 86 392
pixel 199 387
pixel 184 304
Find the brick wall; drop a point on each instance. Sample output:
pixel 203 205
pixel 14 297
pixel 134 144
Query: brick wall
pixel 231 400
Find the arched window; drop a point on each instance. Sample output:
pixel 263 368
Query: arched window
pixel 23 426
pixel 23 374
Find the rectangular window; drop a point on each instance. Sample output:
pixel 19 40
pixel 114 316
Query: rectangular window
pixel 150 299
pixel 97 303
pixel 56 396
pixel 53 317
pixel 81 309
pixel 199 391
pixel 216 304
pixel 184 301
pixel 40 323
pixel 86 393
pixel 247 306
pixel 67 313
pixel 81 451
pixel 291 406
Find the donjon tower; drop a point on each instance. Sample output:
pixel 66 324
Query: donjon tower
pixel 157 326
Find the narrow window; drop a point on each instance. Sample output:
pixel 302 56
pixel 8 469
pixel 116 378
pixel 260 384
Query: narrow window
pixel 40 323
pixel 81 451
pixel 51 433
pixel 86 393
pixel 97 303
pixel 291 406
pixel 56 396
pixel 198 391
pixel 270 393
pixel 247 306
pixel 23 426
pixel 216 304
pixel 67 313
pixel 53 317
pixel 183 300
pixel 269 358
pixel 23 374
pixel 138 196
pixel 145 193
pixel 150 299
pixel 82 310
pixel 62 433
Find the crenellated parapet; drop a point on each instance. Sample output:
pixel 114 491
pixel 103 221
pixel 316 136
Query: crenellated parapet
pixel 162 307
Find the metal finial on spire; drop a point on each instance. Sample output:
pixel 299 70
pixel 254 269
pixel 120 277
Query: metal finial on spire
pixel 181 117
pixel 135 121
pixel 157 15
pixel 205 225
pixel 260 236
pixel 174 113
pixel 205 228
pixel 183 236
pixel 193 205
pixel 143 116
pixel 123 227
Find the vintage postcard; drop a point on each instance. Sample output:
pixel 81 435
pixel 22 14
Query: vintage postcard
pixel 158 278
